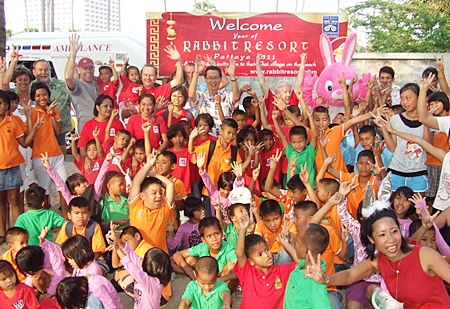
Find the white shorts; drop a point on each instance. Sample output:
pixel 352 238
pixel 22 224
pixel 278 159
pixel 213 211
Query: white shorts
pixel 43 179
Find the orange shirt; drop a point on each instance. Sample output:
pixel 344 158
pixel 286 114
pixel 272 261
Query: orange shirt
pixel 335 135
pixel 333 249
pixel 441 142
pixel 19 120
pixel 10 131
pixel 8 256
pixel 152 223
pixel 357 195
pixel 179 186
pixel 45 139
pixel 271 238
pixel 98 242
pixel 142 248
pixel 220 161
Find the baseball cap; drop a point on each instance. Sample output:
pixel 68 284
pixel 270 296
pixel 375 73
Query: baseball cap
pixel 86 62
pixel 240 195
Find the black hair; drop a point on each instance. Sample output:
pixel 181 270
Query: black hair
pixel 108 177
pixel 229 122
pixel 91 142
pixel 298 130
pixel 150 181
pixel 35 197
pixel 131 230
pixel 388 70
pixel 191 204
pixel 226 180
pixel 295 110
pixel 79 202
pixel 125 132
pixel 6 268
pixel 239 112
pixel 368 154
pixel 30 259
pixel 367 231
pixel 276 184
pixel 75 180
pixel 140 144
pixel 331 185
pixel 246 131
pixel 208 222
pixel 265 132
pixel 5 97
pixel 230 210
pixel 308 207
pixel 206 118
pixel 410 86
pixel 368 129
pixel 183 91
pixel 213 68
pixel 100 99
pixel 428 71
pixel 295 183
pixel 13 232
pixel 12 95
pixel 407 193
pixel 175 129
pixel 269 207
pixel 316 238
pixel 169 154
pixel 78 248
pixel 35 87
pixel 104 67
pixel 251 241
pixel 147 95
pixel 247 103
pixel 440 97
pixel 207 265
pixel 397 109
pixel 132 67
pixel 72 292
pixel 321 109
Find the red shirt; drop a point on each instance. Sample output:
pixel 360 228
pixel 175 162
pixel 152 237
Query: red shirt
pixel 185 115
pixel 158 128
pixel 23 298
pixel 114 166
pixel 130 91
pixel 248 174
pixel 163 91
pixel 263 290
pixel 265 164
pixel 270 107
pixel 183 169
pixel 92 176
pixel 109 88
pixel 88 127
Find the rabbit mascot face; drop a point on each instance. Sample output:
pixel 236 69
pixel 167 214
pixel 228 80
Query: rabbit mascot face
pixel 328 86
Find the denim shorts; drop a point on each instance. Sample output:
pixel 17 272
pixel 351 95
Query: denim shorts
pixel 416 183
pixel 10 178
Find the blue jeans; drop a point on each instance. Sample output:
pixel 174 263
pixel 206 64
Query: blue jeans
pixel 335 299
pixel 282 257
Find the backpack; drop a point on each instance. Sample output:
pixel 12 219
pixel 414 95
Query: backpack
pixel 166 115
pixel 90 229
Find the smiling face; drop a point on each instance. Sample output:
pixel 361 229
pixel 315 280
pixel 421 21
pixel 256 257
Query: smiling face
pixel 133 75
pixel 105 75
pixel 105 109
pixel 149 77
pixel 41 98
pixel 42 72
pixel 146 106
pixel 163 165
pixel 409 100
pixel 177 99
pixel 401 205
pixel 212 237
pixel 212 79
pixel 299 142
pixel 440 111
pixel 153 196
pixel 387 238
pixel 86 74
pixel 23 82
pixel 385 80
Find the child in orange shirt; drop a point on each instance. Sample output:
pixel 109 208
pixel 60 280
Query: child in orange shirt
pixel 16 239
pixel 270 226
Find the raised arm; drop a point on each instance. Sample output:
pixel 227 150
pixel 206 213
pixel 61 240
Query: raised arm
pixel 135 189
pixel 269 187
pixel 147 145
pixel 234 84
pixel 261 77
pixel 114 71
pixel 262 113
pixel 173 54
pixel 224 80
pixel 280 132
pixel 7 76
pixel 301 70
pixel 304 177
pixel 193 85
pixel 425 118
pixel 75 45
pixel 441 75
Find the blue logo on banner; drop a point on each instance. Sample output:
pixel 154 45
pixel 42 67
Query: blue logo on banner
pixel 330 26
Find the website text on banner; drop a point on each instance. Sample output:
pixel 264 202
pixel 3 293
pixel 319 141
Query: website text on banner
pixel 279 37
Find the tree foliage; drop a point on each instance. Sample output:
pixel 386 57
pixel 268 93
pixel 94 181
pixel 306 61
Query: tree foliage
pixel 403 25
pixel 204 6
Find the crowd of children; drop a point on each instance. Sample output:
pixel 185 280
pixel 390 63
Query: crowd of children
pixel 257 200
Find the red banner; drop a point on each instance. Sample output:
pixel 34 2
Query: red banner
pixel 280 37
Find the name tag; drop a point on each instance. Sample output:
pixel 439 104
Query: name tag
pixel 182 162
pixel 155 129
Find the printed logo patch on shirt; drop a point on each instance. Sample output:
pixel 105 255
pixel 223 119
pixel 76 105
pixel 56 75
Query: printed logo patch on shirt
pixel 252 164
pixel 268 162
pixel 112 132
pixel 96 167
pixel 278 284
pixel 155 129
pixel 19 304
pixel 182 162
pixel 140 213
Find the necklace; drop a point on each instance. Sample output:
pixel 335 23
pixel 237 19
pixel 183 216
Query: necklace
pixel 397 271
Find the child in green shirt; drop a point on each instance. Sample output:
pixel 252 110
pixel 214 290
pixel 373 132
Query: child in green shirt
pixel 114 205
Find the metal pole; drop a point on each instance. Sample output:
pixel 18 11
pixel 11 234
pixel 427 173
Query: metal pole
pixel 296 4
pixel 277 6
pixel 249 5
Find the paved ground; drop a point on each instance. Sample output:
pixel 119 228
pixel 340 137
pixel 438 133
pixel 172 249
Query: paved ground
pixel 178 284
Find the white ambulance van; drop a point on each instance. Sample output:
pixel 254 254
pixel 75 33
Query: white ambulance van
pixel 99 46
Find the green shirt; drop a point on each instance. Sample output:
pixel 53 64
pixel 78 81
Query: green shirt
pixel 198 300
pixel 60 94
pixel 232 235
pixel 306 156
pixel 35 219
pixel 226 253
pixel 111 210
pixel 305 293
